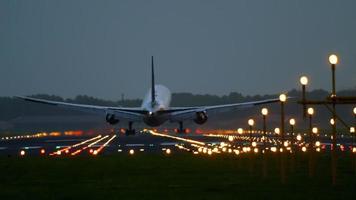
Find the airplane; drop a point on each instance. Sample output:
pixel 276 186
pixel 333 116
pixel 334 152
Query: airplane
pixel 155 109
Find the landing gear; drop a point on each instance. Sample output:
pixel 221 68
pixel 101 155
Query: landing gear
pixel 181 129
pixel 130 131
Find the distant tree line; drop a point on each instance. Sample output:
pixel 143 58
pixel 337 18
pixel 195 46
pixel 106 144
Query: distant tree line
pixel 11 107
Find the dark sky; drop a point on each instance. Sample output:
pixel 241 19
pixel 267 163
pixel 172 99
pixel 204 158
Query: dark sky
pixel 103 48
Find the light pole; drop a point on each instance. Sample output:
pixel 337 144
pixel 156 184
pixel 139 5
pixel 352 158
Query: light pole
pixel 292 124
pixel 304 82
pixel 251 122
pixel 333 60
pixel 311 149
pixel 353 135
pixel 310 114
pixel 352 132
pixel 264 113
pixel 282 99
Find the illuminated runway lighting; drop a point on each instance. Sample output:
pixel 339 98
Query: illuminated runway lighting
pixel 177 138
pixel 43 151
pixel 209 152
pixel 168 151
pixel 66 150
pixel 254 144
pixel 131 152
pixel 90 145
pixel 304 149
pixel 104 145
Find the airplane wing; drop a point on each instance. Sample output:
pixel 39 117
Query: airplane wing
pixel 189 113
pixel 132 114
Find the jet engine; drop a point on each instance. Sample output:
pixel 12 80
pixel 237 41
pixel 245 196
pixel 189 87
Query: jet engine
pixel 201 117
pixel 111 119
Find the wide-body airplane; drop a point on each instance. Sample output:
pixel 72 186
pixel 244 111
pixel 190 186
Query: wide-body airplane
pixel 155 109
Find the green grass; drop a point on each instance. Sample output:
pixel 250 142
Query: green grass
pixel 183 176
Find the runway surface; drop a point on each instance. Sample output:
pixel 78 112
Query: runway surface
pixel 56 144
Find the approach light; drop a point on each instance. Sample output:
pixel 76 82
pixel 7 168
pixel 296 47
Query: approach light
pixel 315 130
pixel 304 80
pixel 304 149
pixel 264 111
pixel 311 111
pixel 299 137
pixel 251 122
pixel 333 59
pixel 352 129
pixel 317 143
pixel 254 144
pixel 332 121
pixel 283 98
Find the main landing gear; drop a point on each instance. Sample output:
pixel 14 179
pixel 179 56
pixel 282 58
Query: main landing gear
pixel 130 131
pixel 181 130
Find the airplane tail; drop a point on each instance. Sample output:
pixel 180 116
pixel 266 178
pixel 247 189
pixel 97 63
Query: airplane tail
pixel 153 92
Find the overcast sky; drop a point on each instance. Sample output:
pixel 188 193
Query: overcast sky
pixel 103 48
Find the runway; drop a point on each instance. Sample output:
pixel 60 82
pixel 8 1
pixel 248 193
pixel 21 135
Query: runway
pixel 57 144
pixel 51 145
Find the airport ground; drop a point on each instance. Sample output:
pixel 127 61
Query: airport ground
pixel 162 176
pixel 157 166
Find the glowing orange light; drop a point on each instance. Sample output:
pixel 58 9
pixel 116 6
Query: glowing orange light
pixel 43 151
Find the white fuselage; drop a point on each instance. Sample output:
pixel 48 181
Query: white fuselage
pixel 161 103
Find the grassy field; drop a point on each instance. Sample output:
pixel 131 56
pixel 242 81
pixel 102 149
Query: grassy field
pixel 183 176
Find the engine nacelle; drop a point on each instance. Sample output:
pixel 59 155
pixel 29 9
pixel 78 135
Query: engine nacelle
pixel 111 119
pixel 201 117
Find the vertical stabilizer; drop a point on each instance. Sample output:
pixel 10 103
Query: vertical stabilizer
pixel 153 92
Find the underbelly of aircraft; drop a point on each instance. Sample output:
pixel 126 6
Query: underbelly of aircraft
pixel 154 121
